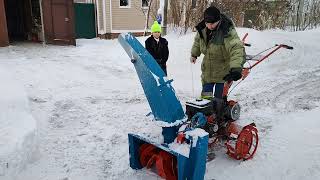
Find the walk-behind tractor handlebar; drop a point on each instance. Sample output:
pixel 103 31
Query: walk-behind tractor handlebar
pixel 277 47
pixel 183 154
pixel 246 70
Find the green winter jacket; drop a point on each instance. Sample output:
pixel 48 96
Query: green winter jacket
pixel 223 52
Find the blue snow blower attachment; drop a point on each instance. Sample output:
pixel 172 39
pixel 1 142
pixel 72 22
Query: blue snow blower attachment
pixel 166 159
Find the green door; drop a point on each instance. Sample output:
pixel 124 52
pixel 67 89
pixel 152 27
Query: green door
pixel 85 20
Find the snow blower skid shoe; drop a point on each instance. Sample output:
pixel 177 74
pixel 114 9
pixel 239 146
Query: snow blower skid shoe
pixel 170 160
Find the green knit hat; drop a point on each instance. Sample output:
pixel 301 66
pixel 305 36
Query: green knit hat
pixel 155 27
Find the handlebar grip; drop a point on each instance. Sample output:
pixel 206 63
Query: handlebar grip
pixel 285 46
pixel 246 44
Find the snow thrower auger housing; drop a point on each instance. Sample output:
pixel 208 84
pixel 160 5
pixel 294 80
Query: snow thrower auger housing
pixel 183 153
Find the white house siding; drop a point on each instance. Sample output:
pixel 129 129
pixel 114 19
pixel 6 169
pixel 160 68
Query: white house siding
pixel 127 19
pixel 108 16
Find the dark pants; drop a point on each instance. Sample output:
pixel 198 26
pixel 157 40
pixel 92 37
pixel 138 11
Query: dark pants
pixel 164 68
pixel 208 88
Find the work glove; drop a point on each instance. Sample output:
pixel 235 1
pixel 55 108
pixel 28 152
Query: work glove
pixel 234 74
pixel 193 59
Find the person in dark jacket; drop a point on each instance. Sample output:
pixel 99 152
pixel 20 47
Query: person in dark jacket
pixel 157 46
pixel 223 51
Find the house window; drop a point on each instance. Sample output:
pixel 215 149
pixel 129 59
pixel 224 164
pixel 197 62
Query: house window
pixel 145 3
pixel 124 3
pixel 193 4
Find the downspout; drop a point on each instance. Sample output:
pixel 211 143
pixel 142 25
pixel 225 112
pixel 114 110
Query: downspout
pixel 110 4
pixel 42 24
pixel 104 16
pixel 165 14
pixel 95 17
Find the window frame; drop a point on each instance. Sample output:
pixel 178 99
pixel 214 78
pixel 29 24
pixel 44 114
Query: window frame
pixel 125 7
pixel 193 4
pixel 144 7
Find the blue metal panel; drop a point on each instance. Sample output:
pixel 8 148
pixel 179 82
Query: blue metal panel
pixel 169 134
pixel 182 167
pixel 134 156
pixel 198 159
pixel 160 94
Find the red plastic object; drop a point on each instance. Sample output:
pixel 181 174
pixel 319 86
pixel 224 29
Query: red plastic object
pixel 181 138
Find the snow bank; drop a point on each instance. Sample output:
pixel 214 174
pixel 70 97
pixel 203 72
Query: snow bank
pixel 17 128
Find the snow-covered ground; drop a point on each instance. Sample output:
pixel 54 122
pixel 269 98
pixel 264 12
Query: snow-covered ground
pixel 86 99
pixel 18 130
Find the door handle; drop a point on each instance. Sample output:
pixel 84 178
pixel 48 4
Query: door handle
pixel 66 19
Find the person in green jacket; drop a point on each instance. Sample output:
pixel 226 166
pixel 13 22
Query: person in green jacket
pixel 223 51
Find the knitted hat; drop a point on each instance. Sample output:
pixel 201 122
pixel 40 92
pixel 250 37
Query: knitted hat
pixel 212 15
pixel 155 27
